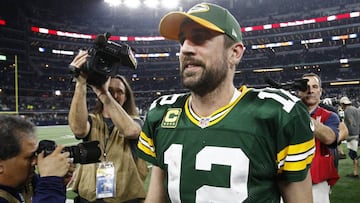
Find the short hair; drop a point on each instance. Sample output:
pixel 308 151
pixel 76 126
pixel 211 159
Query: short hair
pixel 313 75
pixel 228 41
pixel 12 130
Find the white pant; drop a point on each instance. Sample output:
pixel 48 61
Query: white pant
pixel 352 144
pixel 321 192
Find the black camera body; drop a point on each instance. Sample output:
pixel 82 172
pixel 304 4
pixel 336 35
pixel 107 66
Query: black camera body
pixel 298 84
pixel 103 56
pixel 83 153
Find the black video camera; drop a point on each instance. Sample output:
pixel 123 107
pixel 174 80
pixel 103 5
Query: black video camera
pixel 298 84
pixel 102 57
pixel 83 153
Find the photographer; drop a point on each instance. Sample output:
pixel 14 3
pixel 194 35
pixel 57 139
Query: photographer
pixel 18 181
pixel 326 124
pixel 115 123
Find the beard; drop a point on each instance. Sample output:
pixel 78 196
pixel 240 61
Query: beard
pixel 209 79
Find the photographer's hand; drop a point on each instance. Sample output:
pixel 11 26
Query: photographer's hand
pixel 77 62
pixel 103 90
pixel 78 114
pixel 55 164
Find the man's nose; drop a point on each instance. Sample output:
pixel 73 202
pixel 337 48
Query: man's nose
pixel 188 47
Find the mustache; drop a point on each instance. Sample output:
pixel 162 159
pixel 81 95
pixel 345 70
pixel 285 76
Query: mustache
pixel 191 60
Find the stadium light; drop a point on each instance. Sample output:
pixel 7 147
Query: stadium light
pixel 354 82
pixel 343 61
pixel 267 70
pixel 152 3
pixel 170 4
pixel 113 3
pixel 2 58
pixel 57 93
pixel 132 3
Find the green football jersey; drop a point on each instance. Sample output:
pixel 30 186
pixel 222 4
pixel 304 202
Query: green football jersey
pixel 235 155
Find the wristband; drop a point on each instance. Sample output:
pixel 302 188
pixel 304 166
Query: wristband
pixel 74 70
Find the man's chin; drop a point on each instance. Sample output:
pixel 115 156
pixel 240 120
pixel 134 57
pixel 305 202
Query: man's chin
pixel 311 101
pixel 26 182
pixel 31 175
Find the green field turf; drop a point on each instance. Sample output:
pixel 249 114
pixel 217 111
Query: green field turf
pixel 346 190
pixel 61 134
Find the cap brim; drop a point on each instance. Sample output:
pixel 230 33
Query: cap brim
pixel 169 26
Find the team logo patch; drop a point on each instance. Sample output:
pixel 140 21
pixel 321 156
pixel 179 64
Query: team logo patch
pixel 199 8
pixel 171 118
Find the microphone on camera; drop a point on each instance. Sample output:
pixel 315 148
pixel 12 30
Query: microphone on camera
pixel 101 40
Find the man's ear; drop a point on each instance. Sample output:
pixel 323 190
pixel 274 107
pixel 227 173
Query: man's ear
pixel 237 51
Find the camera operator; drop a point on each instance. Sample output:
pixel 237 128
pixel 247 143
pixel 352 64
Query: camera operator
pixel 115 123
pixel 323 171
pixel 18 181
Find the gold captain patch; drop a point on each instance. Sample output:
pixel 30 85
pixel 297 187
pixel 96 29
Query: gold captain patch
pixel 171 118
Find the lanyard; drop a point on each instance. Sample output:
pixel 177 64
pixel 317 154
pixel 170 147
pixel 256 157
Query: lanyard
pixel 106 139
pixel 108 122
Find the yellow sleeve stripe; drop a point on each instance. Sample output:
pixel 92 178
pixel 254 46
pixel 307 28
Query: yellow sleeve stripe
pixel 296 149
pixel 296 157
pixel 146 145
pixel 146 139
pixel 297 165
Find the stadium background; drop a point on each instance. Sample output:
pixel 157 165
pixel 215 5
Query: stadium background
pixel 283 38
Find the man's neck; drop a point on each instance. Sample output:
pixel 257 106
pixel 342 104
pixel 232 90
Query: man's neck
pixel 312 108
pixel 205 105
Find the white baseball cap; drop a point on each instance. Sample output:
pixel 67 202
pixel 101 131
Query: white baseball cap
pixel 345 100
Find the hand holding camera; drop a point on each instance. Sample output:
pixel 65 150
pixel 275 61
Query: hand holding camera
pixel 76 65
pixel 56 164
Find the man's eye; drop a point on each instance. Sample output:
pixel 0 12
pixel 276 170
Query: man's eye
pixel 198 38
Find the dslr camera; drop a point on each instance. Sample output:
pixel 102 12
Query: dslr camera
pixel 83 153
pixel 103 56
